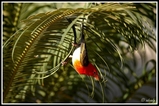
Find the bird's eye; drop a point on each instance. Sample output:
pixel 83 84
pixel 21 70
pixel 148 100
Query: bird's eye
pixel 94 73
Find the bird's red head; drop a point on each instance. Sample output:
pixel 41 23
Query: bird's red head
pixel 92 71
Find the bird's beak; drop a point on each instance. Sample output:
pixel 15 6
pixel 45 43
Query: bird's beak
pixel 97 78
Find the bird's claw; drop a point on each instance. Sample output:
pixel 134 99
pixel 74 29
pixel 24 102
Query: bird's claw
pixel 64 63
pixel 75 44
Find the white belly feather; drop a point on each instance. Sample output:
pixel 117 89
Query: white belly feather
pixel 76 55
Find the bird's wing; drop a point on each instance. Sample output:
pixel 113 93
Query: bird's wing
pixel 83 54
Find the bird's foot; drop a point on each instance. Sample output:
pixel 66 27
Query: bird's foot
pixel 75 44
pixel 66 61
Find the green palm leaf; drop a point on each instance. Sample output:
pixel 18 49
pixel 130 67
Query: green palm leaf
pixel 33 55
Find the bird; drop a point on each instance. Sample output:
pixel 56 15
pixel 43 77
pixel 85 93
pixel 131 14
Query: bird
pixel 80 58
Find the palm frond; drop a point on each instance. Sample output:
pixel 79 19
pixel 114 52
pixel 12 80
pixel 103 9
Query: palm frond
pixel 36 50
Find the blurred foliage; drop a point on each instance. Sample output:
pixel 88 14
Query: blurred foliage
pixel 37 37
